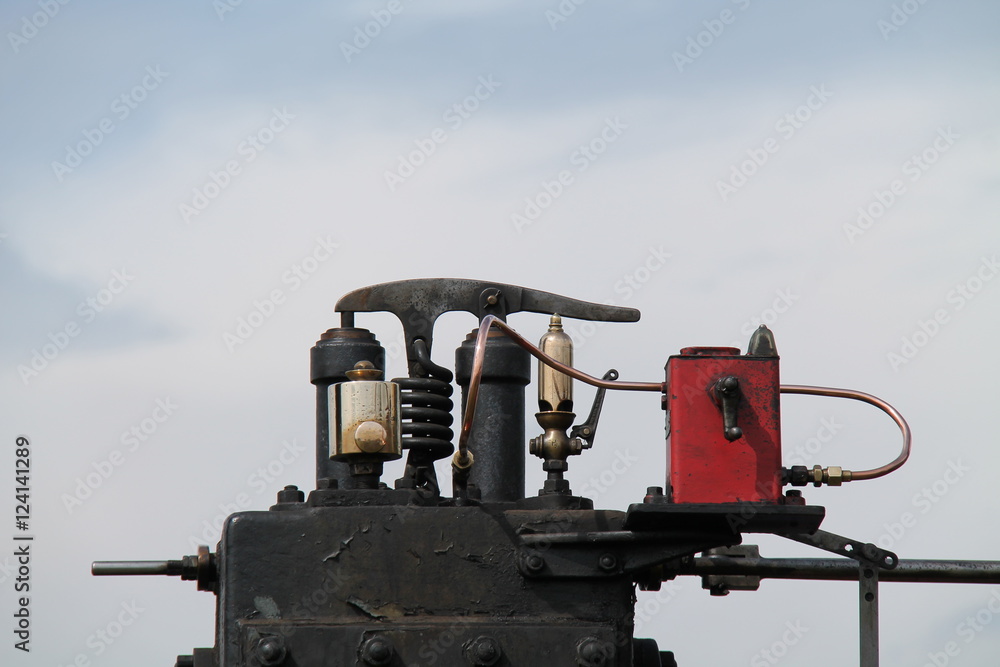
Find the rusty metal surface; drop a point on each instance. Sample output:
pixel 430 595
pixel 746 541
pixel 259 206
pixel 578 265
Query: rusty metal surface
pixel 408 573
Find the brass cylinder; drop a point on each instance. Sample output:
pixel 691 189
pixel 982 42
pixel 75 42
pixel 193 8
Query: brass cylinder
pixel 365 418
pixel 555 389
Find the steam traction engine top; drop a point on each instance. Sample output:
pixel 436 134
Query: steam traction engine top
pixel 364 572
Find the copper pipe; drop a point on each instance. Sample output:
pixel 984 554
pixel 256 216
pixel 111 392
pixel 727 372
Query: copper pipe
pixel 872 400
pixel 477 371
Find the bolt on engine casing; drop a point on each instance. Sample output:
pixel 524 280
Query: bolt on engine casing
pixel 711 459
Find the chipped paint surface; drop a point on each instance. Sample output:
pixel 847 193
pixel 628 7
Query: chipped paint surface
pixel 267 607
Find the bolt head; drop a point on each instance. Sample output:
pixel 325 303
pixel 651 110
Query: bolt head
pixel 591 652
pixel 377 651
pixel 271 651
pixel 485 652
pixel 534 563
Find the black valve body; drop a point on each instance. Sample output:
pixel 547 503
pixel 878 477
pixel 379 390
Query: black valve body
pixel 335 353
pixel 497 437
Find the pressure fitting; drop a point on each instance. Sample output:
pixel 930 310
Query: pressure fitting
pixel 832 476
pixel 817 476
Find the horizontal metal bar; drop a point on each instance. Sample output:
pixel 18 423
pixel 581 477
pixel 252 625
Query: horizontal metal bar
pixel 611 536
pixel 837 569
pixel 172 568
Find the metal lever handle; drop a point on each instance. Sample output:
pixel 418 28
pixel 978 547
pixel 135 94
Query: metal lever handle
pixel 588 430
pixel 418 303
pixel 727 394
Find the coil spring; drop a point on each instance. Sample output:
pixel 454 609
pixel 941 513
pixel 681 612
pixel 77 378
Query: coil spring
pixel 426 411
pixel 426 418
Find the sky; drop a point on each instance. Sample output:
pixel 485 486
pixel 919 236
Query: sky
pixel 188 188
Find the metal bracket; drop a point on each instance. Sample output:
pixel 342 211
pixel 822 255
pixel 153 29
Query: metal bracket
pixel 870 559
pixel 599 554
pixel 864 552
pixel 868 614
pixel 719 585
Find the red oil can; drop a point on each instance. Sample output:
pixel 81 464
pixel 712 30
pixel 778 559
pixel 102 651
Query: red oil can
pixel 723 424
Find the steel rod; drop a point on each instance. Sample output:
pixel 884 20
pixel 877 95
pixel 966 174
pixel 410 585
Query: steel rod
pixel 868 614
pixel 136 567
pixel 844 569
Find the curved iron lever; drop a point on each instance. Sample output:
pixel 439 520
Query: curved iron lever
pixel 418 303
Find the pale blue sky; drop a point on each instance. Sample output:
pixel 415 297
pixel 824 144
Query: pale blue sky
pixel 856 298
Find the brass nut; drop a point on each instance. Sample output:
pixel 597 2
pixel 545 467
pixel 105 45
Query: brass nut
pixel 816 475
pixel 457 462
pixel 834 475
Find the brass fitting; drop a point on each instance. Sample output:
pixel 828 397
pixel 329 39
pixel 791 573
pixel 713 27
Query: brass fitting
pixel 832 476
pixel 555 444
pixel 458 464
